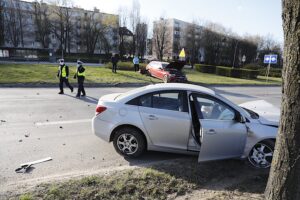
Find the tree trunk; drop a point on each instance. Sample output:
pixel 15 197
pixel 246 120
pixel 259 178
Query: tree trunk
pixel 284 179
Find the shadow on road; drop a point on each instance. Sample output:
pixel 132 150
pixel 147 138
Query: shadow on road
pixel 230 175
pixel 87 99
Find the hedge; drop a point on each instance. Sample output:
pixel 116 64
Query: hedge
pixel 274 72
pixel 237 73
pixel 127 66
pixel 206 68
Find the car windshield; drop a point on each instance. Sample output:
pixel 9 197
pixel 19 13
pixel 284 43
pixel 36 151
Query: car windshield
pixel 164 65
pixel 252 114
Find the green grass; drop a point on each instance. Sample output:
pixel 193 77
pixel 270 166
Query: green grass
pixel 130 184
pixel 198 77
pixel 20 73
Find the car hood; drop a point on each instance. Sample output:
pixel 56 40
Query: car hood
pixel 176 65
pixel 110 97
pixel 268 113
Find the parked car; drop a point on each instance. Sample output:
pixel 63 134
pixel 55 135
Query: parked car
pixel 184 118
pixel 168 72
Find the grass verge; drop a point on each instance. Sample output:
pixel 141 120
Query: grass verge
pixel 184 178
pixel 39 74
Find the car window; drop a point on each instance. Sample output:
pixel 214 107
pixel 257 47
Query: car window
pixel 167 100
pixel 213 109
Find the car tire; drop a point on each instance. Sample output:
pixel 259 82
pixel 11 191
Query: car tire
pixel 165 79
pixel 261 154
pixel 129 142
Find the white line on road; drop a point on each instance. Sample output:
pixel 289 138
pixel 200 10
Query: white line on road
pixel 63 122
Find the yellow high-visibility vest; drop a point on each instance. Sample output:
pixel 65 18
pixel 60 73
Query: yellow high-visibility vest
pixel 80 74
pixel 62 71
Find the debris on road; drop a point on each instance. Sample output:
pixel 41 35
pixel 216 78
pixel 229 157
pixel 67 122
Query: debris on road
pixel 20 140
pixel 60 116
pixel 27 135
pixel 39 138
pixel 37 93
pixel 93 158
pixel 64 144
pixel 61 127
pixel 3 120
pixel 26 166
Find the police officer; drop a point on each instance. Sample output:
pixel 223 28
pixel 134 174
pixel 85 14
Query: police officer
pixel 80 75
pixel 63 73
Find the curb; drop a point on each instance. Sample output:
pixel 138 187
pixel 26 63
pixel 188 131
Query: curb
pixel 89 85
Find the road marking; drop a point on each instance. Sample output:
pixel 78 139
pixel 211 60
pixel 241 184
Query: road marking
pixel 63 122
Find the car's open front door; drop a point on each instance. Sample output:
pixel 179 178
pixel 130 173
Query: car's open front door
pixel 220 135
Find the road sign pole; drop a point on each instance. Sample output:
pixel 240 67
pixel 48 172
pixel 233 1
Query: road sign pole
pixel 268 71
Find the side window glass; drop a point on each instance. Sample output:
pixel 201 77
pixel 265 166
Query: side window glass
pixel 146 100
pixel 212 109
pixel 168 101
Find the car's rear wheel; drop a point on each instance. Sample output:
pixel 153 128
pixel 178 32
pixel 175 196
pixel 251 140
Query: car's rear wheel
pixel 165 79
pixel 261 154
pixel 129 142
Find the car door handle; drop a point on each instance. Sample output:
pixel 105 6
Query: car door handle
pixel 211 132
pixel 152 117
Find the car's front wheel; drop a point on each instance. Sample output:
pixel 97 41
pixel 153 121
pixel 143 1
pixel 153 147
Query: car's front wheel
pixel 261 154
pixel 129 142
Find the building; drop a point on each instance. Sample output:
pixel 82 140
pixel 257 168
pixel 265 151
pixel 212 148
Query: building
pixel 177 36
pixel 40 26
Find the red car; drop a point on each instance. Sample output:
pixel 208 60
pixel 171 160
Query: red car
pixel 168 72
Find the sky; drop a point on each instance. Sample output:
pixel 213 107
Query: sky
pixel 254 17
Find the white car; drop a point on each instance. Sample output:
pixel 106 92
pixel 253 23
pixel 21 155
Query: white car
pixel 184 118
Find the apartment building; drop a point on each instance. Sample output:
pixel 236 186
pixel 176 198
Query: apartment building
pixel 177 34
pixel 67 28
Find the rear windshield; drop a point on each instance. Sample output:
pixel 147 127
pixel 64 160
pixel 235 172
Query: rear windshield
pixel 130 92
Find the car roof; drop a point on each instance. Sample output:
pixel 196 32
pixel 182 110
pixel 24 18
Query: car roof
pixel 163 86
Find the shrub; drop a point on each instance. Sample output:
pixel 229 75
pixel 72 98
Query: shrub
pixel 252 66
pixel 127 66
pixel 205 68
pixel 237 73
pixel 274 72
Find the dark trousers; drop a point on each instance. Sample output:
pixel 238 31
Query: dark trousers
pixel 136 67
pixel 63 80
pixel 80 81
pixel 114 67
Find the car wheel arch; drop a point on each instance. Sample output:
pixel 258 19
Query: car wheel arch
pixel 125 126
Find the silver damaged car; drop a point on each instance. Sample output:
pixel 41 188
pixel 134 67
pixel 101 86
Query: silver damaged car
pixel 184 118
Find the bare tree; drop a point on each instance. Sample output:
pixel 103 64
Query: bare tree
pixel 193 39
pixel 284 177
pixel 123 17
pixel 92 30
pixel 161 33
pixel 12 30
pixel 134 21
pixel 141 38
pixel 42 23
pixel 1 22
pixel 62 25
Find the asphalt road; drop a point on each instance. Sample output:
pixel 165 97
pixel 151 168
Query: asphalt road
pixel 38 123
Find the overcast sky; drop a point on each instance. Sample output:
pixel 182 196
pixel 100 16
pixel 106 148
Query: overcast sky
pixel 262 17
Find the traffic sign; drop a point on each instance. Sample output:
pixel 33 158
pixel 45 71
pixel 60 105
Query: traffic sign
pixel 270 59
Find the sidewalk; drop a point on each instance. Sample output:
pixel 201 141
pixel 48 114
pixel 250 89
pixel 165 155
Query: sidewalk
pixel 49 63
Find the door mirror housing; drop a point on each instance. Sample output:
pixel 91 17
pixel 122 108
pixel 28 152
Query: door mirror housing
pixel 239 118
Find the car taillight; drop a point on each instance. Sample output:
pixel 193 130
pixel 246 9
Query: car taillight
pixel 100 109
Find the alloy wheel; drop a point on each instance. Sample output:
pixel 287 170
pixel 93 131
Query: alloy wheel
pixel 127 143
pixel 261 155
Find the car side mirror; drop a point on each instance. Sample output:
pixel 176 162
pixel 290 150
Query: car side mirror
pixel 239 118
